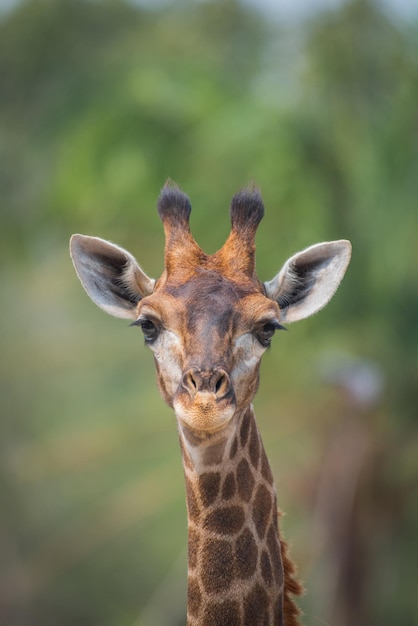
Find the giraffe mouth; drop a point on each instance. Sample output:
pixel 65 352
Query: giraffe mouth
pixel 205 412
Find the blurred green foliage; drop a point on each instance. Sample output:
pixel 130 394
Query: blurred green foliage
pixel 100 102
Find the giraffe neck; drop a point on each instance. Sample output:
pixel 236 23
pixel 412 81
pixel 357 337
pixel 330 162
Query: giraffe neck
pixel 235 569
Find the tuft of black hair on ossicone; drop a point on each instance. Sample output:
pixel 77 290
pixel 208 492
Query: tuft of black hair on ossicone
pixel 173 205
pixel 247 209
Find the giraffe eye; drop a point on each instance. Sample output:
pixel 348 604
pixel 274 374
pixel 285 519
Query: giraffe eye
pixel 265 332
pixel 149 328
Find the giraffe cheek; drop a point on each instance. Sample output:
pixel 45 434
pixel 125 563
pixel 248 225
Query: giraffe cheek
pixel 167 361
pixel 167 381
pixel 245 379
pixel 247 355
pixel 164 390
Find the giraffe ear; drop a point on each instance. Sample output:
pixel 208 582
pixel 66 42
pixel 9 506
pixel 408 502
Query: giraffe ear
pixel 110 275
pixel 309 279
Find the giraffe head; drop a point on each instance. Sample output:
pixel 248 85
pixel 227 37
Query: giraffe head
pixel 208 319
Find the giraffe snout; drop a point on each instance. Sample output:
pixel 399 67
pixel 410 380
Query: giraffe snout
pixel 215 381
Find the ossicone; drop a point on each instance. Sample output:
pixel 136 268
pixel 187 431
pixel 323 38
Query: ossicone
pixel 247 210
pixel 174 209
pixel 173 205
pixel 238 252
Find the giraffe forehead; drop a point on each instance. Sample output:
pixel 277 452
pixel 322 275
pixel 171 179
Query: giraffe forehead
pixel 210 300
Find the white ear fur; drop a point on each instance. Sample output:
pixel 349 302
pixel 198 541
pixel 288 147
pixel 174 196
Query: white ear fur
pixel 110 275
pixel 309 279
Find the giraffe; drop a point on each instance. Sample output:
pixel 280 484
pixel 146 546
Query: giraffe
pixel 208 319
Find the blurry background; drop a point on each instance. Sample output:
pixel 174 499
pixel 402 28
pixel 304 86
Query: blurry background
pixel 100 102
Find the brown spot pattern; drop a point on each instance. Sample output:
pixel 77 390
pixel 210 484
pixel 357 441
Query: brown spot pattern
pixel 278 611
pixel 218 573
pixel 192 503
pixel 256 607
pixel 192 548
pixel 265 468
pixel 266 570
pixel 209 484
pixel 262 510
pixel 245 428
pixel 234 449
pixel 245 480
pixel 245 554
pixel 275 554
pixel 225 613
pixel 229 487
pixel 226 520
pixel 213 455
pixel 254 446
pixel 194 597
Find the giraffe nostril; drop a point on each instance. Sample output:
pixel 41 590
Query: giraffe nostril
pixel 220 383
pixel 212 381
pixel 191 381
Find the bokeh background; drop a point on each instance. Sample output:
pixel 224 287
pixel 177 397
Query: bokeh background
pixel 100 102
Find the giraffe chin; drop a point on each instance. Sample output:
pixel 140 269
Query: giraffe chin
pixel 205 414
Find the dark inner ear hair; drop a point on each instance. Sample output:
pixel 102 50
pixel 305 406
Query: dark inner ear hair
pixel 173 205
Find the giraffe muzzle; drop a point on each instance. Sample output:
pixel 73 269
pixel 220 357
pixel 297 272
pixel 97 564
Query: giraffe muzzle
pixel 215 382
